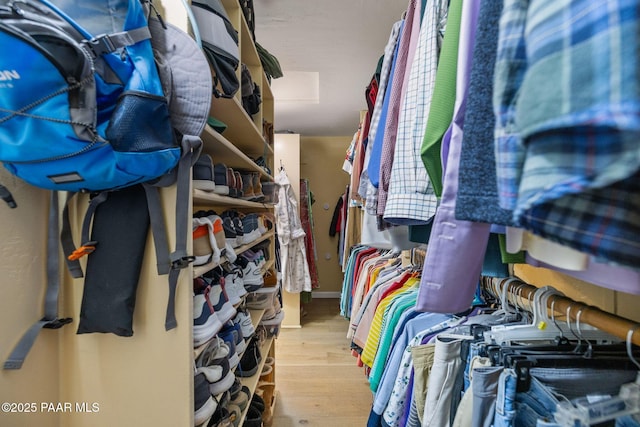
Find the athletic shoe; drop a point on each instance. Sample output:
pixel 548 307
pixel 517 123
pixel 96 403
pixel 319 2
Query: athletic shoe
pixel 205 321
pixel 231 237
pixel 250 360
pixel 221 417
pixel 261 225
pixel 203 173
pixel 205 249
pixel 220 178
pixel 250 228
pixel 262 299
pixel 234 223
pixel 224 383
pixel 244 320
pixel 214 294
pixel 256 257
pixel 251 274
pixel 204 404
pixel 241 399
pixel 229 338
pixel 237 333
pixel 234 285
pixel 219 233
pixel 235 413
pixel 214 352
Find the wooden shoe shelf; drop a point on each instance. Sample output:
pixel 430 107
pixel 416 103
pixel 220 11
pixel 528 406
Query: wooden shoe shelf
pixel 237 146
pixel 148 378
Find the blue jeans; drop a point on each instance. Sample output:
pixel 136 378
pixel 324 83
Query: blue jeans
pixel 475 348
pixel 536 406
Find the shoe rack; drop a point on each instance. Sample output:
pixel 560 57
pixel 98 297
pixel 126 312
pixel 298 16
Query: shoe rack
pixel 103 380
pixel 244 139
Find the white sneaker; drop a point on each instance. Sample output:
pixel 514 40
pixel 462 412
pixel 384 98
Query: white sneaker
pixel 252 277
pixel 246 324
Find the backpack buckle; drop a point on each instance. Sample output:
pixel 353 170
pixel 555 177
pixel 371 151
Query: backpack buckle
pixel 83 250
pixel 57 323
pixel 182 262
pixel 101 44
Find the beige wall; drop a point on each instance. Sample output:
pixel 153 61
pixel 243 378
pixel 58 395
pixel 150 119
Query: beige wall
pixel 23 282
pixel 321 161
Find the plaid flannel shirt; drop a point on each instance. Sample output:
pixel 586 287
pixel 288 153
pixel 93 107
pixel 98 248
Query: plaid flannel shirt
pixel 567 105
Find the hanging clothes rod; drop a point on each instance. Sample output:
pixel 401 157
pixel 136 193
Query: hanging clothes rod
pixel 607 322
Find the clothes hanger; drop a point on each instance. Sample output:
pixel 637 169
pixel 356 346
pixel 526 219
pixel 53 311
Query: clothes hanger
pixel 586 412
pixel 542 328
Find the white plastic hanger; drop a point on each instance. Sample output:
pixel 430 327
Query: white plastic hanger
pixel 543 327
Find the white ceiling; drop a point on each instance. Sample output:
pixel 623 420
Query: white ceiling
pixel 341 40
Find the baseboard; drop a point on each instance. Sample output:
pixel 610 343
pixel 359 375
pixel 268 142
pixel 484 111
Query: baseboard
pixel 326 294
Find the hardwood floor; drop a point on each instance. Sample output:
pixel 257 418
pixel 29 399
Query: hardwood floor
pixel 317 380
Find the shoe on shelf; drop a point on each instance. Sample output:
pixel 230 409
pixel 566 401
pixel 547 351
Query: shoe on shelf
pixel 224 383
pixel 237 223
pixel 229 340
pixel 251 274
pixel 214 352
pixel 205 321
pixel 261 225
pixel 247 187
pixel 244 320
pixel 241 345
pixel 231 182
pixel 258 403
pixel 253 418
pixel 257 188
pixel 219 275
pixel 239 184
pixel 214 294
pixel 205 249
pixel 230 234
pixel 204 404
pixel 233 221
pixel 267 391
pixel 256 256
pixel 203 173
pixel 234 285
pixel 270 278
pixel 250 228
pixel 220 178
pixel 235 413
pixel 221 417
pixel 250 359
pixel 242 398
pixel 262 299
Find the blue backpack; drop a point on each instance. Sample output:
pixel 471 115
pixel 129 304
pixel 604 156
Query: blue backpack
pixel 85 111
pixel 99 100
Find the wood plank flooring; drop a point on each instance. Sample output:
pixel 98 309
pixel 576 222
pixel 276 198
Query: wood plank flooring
pixel 317 380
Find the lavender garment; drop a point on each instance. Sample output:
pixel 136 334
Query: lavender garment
pixel 445 287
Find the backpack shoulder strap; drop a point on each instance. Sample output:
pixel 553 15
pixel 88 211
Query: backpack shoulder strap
pixel 50 319
pixel 107 43
pixel 179 258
